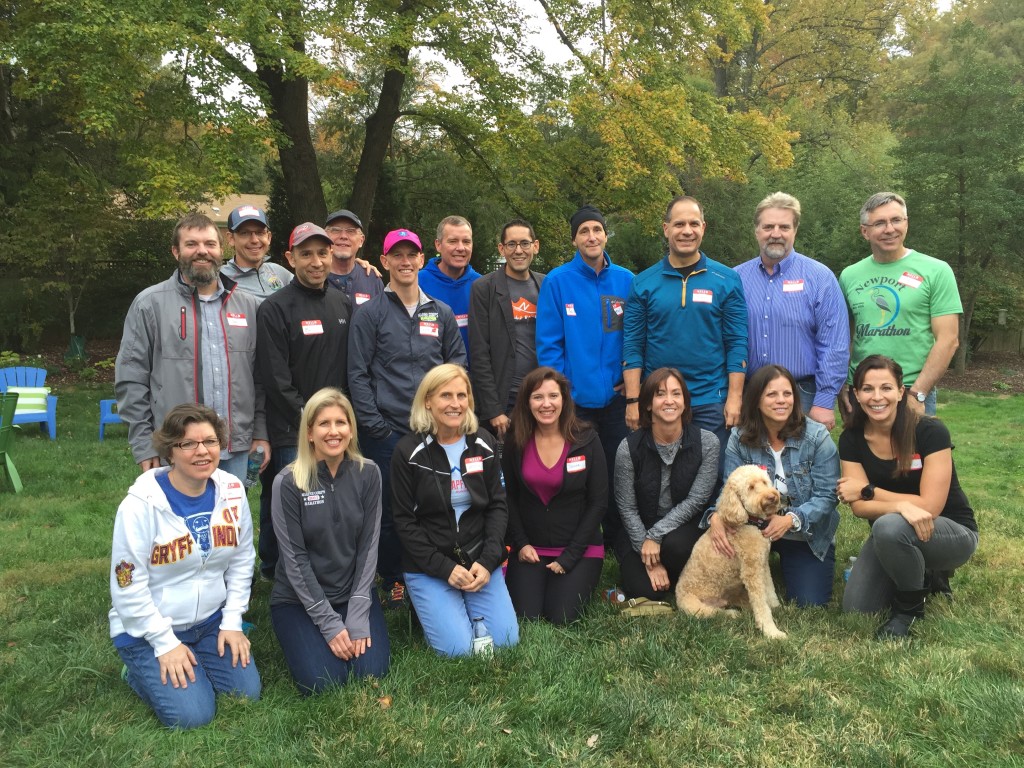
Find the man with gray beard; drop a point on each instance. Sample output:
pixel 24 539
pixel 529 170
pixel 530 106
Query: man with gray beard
pixel 192 339
pixel 796 316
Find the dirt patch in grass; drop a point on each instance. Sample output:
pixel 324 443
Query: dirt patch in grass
pixel 989 372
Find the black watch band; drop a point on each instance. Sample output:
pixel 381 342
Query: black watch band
pixel 632 400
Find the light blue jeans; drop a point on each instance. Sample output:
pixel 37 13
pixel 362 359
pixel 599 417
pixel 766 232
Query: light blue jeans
pixel 446 613
pixel 236 465
pixel 194 706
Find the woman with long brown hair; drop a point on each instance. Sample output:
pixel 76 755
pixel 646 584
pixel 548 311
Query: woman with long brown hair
pixel 556 481
pixel 898 474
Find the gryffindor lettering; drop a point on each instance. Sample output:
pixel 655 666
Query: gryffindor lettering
pixel 172 552
pixel 224 536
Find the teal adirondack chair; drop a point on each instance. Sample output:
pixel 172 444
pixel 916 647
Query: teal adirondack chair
pixel 8 404
pixel 36 404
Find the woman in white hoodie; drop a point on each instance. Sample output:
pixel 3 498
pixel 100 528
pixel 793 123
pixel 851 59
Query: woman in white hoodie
pixel 180 571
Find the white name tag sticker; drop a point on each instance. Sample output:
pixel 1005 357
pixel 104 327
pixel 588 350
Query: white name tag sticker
pixel 429 329
pixel 792 286
pixel 238 320
pixel 703 296
pixel 362 298
pixel 474 464
pixel 916 463
pixel 570 310
pixel 911 280
pixel 575 464
pixel 462 320
pixel 312 327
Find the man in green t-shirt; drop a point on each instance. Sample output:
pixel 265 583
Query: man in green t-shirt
pixel 902 303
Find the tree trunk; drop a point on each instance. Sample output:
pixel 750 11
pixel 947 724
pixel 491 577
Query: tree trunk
pixel 962 352
pixel 289 108
pixel 720 69
pixel 379 128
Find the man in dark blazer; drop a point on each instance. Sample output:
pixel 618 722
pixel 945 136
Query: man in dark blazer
pixel 502 326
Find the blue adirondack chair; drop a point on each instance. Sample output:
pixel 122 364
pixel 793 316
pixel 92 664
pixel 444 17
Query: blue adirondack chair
pixel 8 402
pixel 34 405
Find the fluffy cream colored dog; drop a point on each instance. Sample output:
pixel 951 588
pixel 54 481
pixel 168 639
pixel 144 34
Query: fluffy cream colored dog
pixel 710 581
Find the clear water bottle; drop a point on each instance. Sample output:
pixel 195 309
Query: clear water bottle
pixel 252 469
pixel 846 573
pixel 483 643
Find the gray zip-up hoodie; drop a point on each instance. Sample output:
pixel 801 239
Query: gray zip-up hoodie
pixel 389 352
pixel 157 369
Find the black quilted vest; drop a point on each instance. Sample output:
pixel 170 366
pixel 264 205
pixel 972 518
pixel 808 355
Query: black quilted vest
pixel 647 466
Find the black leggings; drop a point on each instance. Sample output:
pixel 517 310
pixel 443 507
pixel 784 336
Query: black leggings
pixel 539 593
pixel 675 551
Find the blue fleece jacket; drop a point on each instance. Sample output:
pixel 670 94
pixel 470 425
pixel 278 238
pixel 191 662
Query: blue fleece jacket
pixel 697 324
pixel 453 292
pixel 579 327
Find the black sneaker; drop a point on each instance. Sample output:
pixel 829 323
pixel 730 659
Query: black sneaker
pixel 396 596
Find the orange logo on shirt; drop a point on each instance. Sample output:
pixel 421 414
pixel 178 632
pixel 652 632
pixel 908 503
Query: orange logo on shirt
pixel 524 310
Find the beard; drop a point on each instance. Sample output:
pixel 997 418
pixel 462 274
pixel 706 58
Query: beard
pixel 202 275
pixel 775 251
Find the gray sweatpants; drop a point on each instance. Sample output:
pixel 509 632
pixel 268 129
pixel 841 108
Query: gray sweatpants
pixel 894 559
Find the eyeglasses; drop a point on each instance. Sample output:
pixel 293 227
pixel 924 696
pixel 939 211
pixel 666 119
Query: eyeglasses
pixel 881 224
pixel 191 445
pixel 243 233
pixel 513 244
pixel 342 231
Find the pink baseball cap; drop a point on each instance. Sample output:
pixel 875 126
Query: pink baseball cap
pixel 306 230
pixel 396 236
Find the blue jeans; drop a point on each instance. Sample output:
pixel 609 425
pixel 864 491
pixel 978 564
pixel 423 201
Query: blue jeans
pixel 931 402
pixel 310 660
pixel 807 389
pixel 236 465
pixel 808 580
pixel 389 548
pixel 446 613
pixel 280 457
pixel 610 424
pixel 193 706
pixel 711 417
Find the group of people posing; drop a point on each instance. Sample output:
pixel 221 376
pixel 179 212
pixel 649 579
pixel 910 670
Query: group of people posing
pixel 476 443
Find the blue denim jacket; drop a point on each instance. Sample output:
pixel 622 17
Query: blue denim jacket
pixel 812 471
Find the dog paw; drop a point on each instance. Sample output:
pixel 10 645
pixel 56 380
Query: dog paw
pixel 732 613
pixel 775 634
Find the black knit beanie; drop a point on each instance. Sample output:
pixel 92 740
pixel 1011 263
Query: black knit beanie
pixel 584 214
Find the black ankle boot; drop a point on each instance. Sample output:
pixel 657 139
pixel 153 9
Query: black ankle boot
pixel 907 607
pixel 939 583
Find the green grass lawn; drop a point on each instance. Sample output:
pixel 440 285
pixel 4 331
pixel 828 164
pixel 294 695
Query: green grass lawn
pixel 664 691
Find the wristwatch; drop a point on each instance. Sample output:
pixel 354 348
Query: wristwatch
pixel 919 396
pixel 867 493
pixel 796 520
pixel 632 400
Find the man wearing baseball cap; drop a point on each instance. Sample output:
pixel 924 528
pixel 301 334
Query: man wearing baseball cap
pixel 347 237
pixel 250 267
pixel 396 338
pixel 302 347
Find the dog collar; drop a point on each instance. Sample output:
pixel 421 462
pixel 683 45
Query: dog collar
pixel 760 524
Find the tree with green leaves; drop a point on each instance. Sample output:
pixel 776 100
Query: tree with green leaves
pixel 959 105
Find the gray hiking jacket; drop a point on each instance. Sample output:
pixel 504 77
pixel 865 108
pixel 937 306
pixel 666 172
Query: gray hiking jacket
pixel 157 369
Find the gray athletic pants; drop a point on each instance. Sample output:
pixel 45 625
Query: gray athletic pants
pixel 894 559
